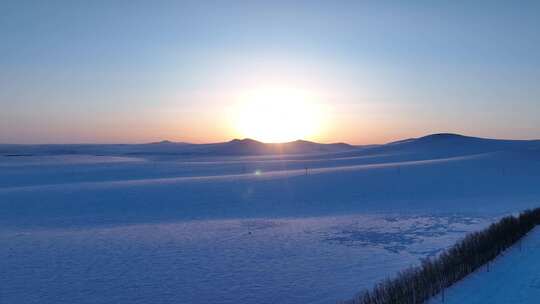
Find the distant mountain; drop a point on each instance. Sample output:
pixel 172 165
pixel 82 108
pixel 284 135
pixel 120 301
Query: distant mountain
pixel 235 147
pixel 167 142
pixel 252 147
pixel 436 145
pixel 457 144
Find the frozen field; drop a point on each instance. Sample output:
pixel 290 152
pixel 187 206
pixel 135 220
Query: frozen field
pixel 167 223
pixel 313 260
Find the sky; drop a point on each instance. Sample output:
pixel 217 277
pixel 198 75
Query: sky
pixel 374 71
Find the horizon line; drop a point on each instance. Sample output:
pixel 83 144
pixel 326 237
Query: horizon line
pixel 255 140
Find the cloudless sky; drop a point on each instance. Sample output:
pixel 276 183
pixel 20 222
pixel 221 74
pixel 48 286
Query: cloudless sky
pixel 137 71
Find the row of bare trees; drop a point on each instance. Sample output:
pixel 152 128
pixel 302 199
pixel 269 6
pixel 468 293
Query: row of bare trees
pixel 417 284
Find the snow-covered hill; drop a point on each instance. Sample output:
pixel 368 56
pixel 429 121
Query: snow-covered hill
pixel 236 147
pixel 446 144
pixel 436 144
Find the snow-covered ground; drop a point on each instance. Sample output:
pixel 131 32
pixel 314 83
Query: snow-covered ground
pixel 308 260
pixel 144 224
pixel 514 277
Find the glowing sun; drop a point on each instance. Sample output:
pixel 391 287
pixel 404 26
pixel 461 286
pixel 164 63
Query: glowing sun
pixel 277 115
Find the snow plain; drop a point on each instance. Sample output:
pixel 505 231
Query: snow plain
pixel 125 224
pixel 514 277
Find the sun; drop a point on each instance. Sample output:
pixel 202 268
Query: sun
pixel 277 115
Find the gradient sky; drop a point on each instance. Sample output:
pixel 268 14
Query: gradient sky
pixel 138 71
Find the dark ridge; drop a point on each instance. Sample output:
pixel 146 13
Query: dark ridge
pixel 18 155
pixel 167 142
pixel 418 284
pixel 301 141
pixel 432 138
pixel 245 141
pixel 444 137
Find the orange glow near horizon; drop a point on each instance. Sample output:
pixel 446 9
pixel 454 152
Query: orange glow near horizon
pixel 277 115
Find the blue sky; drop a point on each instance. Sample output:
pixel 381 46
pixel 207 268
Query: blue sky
pixel 136 71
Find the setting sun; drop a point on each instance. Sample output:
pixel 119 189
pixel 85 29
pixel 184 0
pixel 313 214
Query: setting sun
pixel 278 115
